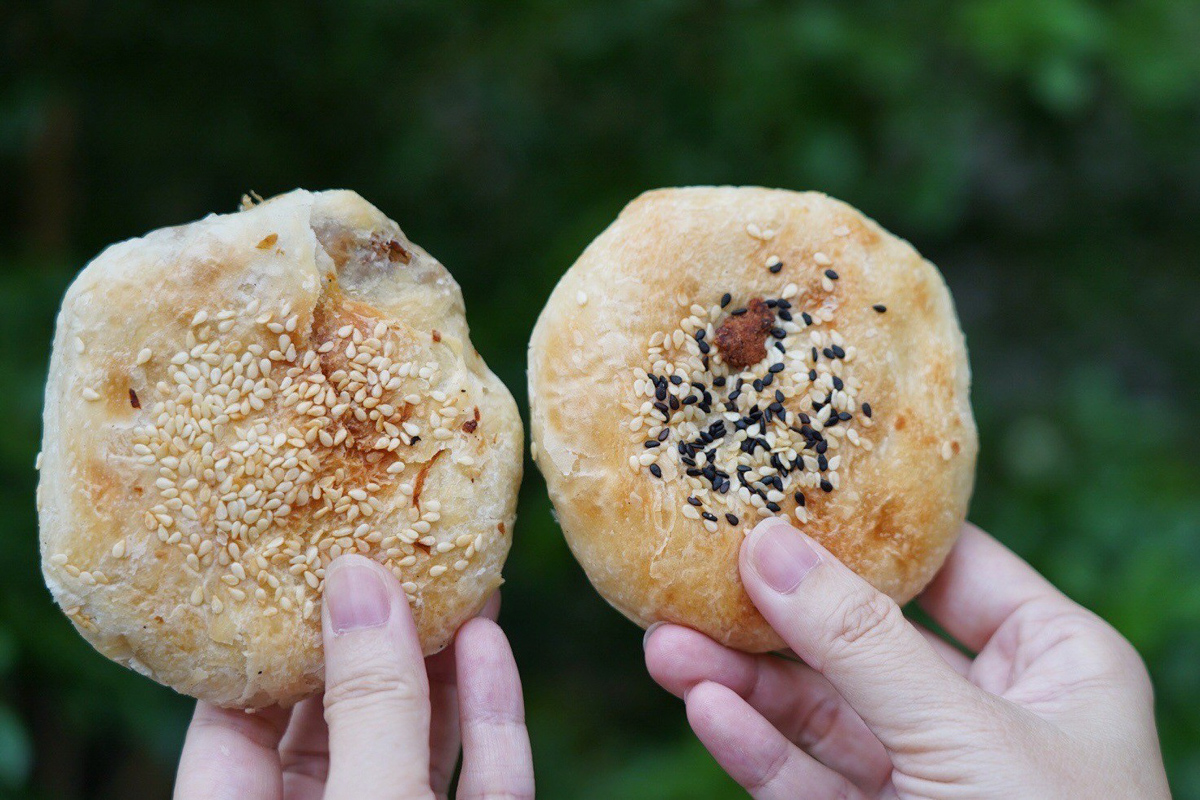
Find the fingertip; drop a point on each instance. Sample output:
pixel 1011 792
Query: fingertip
pixel 671 657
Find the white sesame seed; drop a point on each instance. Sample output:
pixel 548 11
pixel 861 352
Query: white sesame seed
pixel 90 394
pixel 581 297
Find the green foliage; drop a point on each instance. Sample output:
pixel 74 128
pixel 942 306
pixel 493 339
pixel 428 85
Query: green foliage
pixel 1045 153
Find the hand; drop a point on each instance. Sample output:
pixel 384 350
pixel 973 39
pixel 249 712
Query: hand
pixel 389 722
pixel 1055 705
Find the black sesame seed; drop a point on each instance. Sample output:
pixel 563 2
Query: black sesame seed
pixel 725 298
pixel 776 367
pixel 828 353
pixel 838 352
pixel 663 434
pixel 662 407
pixel 838 384
pixel 804 315
pixel 779 346
pixel 700 334
pixel 786 316
pixel 731 519
pixel 800 498
pixel 822 446
pixel 674 402
pixel 708 516
pixel 822 463
pixel 880 307
pixel 812 374
pixel 737 312
pixel 758 384
pixel 704 347
pixel 652 443
pixel 675 379
pixel 773 507
pixel 656 470
pixel 661 392
pixel 866 407
pixel 785 304
pixel 771 303
pixel 815 356
pixel 776 267
pixel 690 399
pixel 845 416
pixel 779 398
pixel 719 380
pixel 778 333
pixel 694 501
pixel 833 276
pixel 826 486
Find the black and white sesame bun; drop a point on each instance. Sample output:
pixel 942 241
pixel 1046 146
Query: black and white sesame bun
pixel 719 355
pixel 233 403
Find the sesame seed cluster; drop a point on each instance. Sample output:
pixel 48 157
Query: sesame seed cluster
pixel 751 440
pixel 265 415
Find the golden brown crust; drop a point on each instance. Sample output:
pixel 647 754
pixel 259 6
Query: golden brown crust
pixel 233 403
pixel 660 271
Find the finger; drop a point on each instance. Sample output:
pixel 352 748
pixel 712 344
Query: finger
pixel 852 634
pixel 957 660
pixel 376 693
pixel 304 751
pixel 496 757
pixel 796 700
pixel 981 584
pixel 756 755
pixel 491 609
pixel 230 754
pixel 443 725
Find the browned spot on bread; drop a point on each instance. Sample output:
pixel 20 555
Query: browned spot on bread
pixel 419 483
pixel 470 425
pixel 268 241
pixel 500 527
pixel 741 339
pixel 133 399
pixel 437 335
pixel 392 249
pixel 900 422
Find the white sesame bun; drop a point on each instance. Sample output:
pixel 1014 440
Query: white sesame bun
pixel 235 402
pixel 619 334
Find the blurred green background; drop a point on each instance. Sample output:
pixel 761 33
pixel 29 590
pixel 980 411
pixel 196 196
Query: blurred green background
pixel 1044 153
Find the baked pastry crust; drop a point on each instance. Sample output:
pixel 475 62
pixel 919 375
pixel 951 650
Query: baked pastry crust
pixel 623 370
pixel 234 402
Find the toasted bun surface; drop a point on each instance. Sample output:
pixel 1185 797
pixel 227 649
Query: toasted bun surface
pixel 232 404
pixel 667 419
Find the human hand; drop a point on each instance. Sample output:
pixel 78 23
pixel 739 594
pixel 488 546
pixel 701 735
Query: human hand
pixel 389 723
pixel 1055 705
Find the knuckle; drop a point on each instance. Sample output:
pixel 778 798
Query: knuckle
pixel 863 617
pixel 769 770
pixel 819 725
pixel 373 685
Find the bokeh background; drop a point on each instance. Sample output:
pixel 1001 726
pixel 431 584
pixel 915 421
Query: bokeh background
pixel 1044 153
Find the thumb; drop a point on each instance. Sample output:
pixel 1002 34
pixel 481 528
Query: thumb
pixel 376 689
pixel 854 635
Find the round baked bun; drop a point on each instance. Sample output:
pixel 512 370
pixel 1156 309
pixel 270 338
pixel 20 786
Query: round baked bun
pixel 721 355
pixel 234 403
